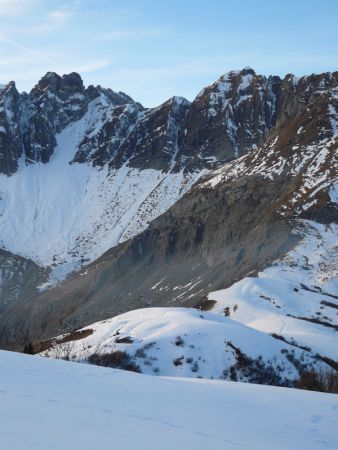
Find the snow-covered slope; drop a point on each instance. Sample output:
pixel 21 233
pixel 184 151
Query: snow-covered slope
pixel 297 297
pixel 62 405
pixel 186 342
pixel 62 215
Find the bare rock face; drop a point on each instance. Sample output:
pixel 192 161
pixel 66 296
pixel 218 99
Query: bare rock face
pixel 30 122
pixel 17 275
pixel 154 141
pixel 230 117
pixel 11 146
pixel 227 119
pixel 53 104
pixel 103 146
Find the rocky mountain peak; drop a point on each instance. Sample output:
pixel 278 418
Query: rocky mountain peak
pixel 73 80
pixel 226 120
pixel 49 80
pixel 56 83
pixel 10 132
pixel 177 100
pixel 8 87
pixel 247 70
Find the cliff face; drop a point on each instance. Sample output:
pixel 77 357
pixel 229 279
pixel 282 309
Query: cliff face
pixel 226 120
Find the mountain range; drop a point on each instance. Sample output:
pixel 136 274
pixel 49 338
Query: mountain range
pixel 227 204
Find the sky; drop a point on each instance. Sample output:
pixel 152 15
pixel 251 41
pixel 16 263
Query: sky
pixel 153 50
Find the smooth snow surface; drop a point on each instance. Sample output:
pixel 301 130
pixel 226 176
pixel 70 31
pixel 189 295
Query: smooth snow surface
pixel 58 405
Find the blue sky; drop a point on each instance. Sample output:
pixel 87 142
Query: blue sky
pixel 153 50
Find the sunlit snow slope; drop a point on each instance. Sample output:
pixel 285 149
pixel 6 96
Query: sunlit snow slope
pixel 185 342
pixel 296 298
pixel 61 405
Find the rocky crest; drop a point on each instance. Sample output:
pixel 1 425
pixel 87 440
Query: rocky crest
pixel 225 121
pixel 30 122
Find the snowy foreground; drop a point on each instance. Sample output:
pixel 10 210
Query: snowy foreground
pixel 53 404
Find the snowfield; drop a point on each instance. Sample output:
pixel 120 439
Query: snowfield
pixel 64 214
pixel 59 405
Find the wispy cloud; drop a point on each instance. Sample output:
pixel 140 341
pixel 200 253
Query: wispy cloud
pixel 57 18
pixel 26 49
pixel 91 66
pixel 60 16
pixel 33 17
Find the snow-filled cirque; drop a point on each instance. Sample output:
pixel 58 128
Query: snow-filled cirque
pixel 59 405
pixel 63 214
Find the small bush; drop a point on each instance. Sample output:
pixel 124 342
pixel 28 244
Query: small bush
pixel 179 341
pixel 149 345
pixel 194 367
pixel 319 381
pixel 178 361
pixel 116 360
pixel 140 353
pixel 254 370
pixel 205 304
pixel 233 373
pixel 225 374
